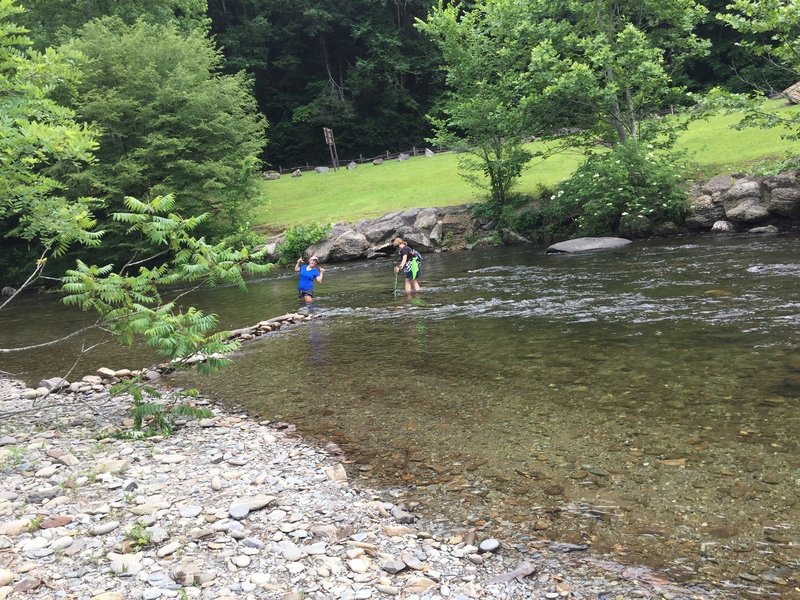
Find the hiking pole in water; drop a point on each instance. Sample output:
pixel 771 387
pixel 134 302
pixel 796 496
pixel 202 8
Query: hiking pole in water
pixel 395 283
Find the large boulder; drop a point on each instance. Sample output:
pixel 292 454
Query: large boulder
pixel 747 210
pixel 704 212
pixel 348 246
pixel 322 249
pixel 427 219
pixel 717 185
pixel 586 244
pixel 384 230
pixel 419 241
pixel 456 223
pixel 784 202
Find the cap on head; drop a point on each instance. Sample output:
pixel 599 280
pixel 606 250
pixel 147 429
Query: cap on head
pixel 314 258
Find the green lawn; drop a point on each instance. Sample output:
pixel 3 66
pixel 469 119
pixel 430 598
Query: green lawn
pixel 371 191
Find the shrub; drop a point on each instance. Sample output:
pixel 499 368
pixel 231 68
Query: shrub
pixel 299 238
pixel 618 190
pixel 523 213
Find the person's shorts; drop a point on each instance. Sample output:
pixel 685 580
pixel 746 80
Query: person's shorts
pixel 410 276
pixel 304 293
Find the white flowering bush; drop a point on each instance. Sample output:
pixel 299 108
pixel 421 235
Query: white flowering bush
pixel 612 190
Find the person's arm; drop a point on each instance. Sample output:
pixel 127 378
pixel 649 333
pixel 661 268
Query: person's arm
pixel 297 264
pixel 402 264
pixel 321 273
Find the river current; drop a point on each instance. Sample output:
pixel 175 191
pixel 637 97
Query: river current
pixel 644 401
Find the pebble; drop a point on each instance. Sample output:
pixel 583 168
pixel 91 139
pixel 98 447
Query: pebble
pixel 230 508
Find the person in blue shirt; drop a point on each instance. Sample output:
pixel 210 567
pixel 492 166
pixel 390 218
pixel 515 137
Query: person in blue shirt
pixel 308 275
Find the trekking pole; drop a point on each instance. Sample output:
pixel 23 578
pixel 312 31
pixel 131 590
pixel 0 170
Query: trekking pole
pixel 395 284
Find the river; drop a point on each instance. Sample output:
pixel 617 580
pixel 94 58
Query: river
pixel 645 401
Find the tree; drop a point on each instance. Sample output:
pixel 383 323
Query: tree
pixel 598 71
pixel 359 67
pixel 38 136
pixel 55 21
pixel 779 22
pixel 169 120
pixel 481 113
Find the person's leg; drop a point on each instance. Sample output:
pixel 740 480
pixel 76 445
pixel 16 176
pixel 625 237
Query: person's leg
pixel 416 286
pixel 308 298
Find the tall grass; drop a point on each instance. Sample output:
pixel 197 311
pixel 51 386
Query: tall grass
pixel 420 182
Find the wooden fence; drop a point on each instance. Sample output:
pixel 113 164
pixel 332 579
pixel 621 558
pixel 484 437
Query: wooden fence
pixel 361 159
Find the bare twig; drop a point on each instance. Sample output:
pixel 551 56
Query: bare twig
pixel 95 325
pixel 33 276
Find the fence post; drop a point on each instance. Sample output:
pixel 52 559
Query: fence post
pixel 361 158
pixel 414 150
pixel 307 167
pixel 387 155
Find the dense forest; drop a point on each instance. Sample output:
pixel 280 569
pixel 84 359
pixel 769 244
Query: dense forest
pixel 361 67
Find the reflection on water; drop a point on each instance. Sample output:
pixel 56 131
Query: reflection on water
pixel 646 401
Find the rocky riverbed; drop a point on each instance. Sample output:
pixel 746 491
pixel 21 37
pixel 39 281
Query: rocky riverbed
pixel 227 507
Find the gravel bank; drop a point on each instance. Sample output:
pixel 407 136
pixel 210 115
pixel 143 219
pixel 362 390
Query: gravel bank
pixel 230 508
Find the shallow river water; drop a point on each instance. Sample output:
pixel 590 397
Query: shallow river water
pixel 645 401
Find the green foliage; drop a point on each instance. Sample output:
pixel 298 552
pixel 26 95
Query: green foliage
pixel 780 19
pixel 605 68
pixel 298 238
pixel 358 67
pixel 139 535
pixel 151 417
pixel 482 112
pixel 54 21
pixel 40 141
pixel 129 301
pixel 35 524
pixel 523 214
pixel 169 121
pixel 617 190
pixel 13 457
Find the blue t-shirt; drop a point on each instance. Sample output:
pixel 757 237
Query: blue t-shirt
pixel 307 277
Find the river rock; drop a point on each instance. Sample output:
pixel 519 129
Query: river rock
pixel 587 244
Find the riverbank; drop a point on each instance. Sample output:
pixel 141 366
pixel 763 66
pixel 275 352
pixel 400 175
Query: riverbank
pixel 227 507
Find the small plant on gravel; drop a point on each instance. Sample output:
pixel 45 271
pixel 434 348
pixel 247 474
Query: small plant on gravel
pixel 35 524
pixel 129 498
pixel 152 417
pixel 138 535
pixel 14 457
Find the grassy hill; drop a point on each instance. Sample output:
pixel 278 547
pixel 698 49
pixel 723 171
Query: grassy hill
pixel 371 191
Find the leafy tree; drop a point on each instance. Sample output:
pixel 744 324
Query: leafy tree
pixel 131 301
pixel 481 113
pixel 729 63
pixel 598 71
pixel 359 67
pixel 54 21
pixel 779 21
pixel 37 136
pixel 168 120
